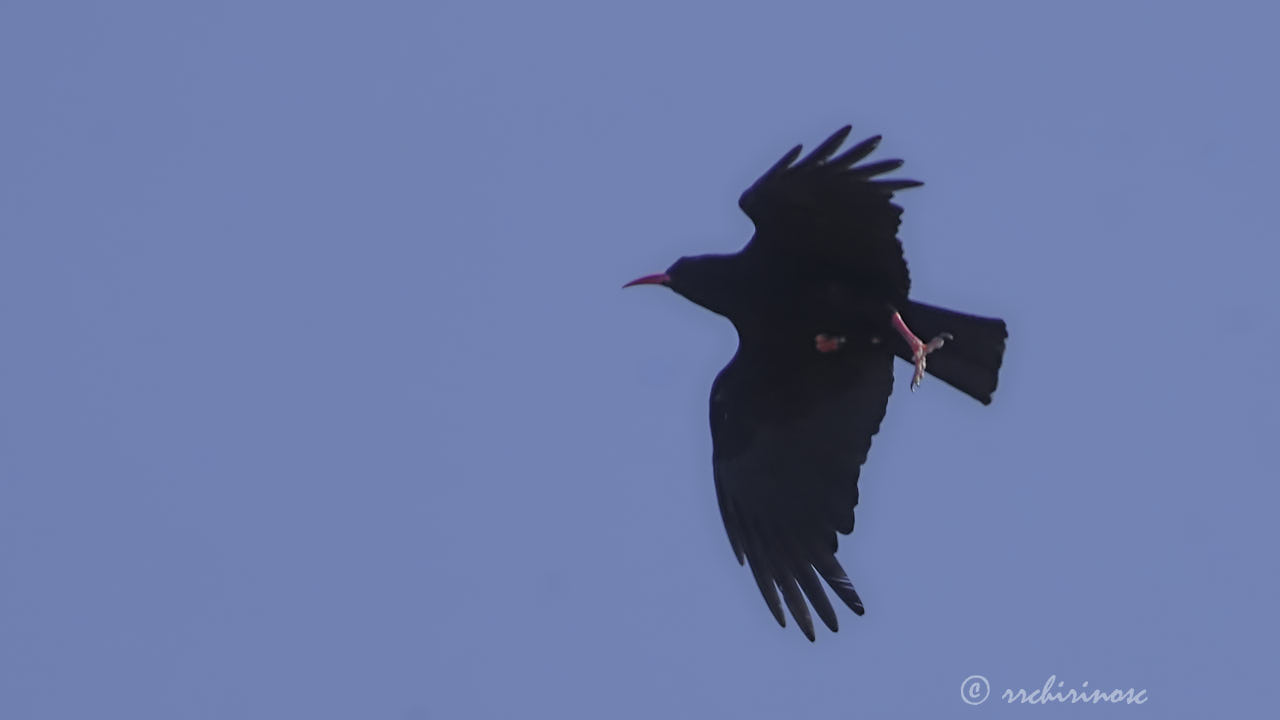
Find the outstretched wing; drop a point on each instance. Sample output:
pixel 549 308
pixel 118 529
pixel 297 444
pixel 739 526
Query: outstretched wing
pixel 827 209
pixel 790 435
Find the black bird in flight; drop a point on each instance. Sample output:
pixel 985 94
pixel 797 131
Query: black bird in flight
pixel 819 297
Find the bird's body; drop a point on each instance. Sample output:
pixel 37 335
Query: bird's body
pixel 820 301
pixel 768 301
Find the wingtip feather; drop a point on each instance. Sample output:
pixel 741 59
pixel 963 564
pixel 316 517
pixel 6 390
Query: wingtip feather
pixel 826 148
pixel 857 152
pixel 795 603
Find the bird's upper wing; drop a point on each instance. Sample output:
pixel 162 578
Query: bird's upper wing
pixel 826 209
pixel 790 436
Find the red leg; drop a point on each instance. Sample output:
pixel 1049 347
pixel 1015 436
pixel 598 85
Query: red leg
pixel 827 343
pixel 919 349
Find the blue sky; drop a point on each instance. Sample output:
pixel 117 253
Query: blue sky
pixel 319 397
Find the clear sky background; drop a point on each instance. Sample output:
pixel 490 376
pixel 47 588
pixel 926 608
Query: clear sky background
pixel 319 397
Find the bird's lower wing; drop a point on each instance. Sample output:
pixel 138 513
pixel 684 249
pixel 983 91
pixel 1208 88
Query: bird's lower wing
pixel 790 438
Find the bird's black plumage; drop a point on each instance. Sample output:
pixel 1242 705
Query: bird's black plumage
pixel 814 296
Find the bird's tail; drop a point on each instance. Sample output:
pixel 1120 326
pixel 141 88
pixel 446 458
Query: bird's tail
pixel 970 361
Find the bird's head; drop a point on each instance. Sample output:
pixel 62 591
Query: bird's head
pixel 712 281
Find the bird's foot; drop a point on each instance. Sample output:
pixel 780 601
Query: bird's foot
pixel 827 343
pixel 919 349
